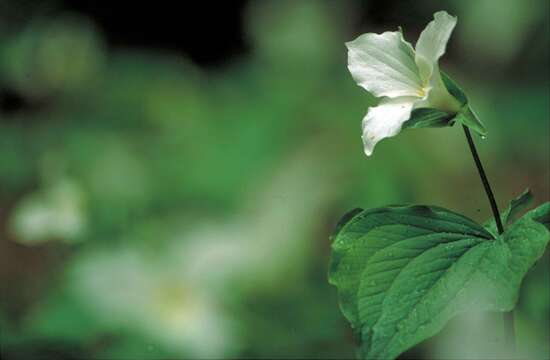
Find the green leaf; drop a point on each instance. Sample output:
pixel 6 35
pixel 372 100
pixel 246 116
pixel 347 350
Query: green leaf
pixel 427 117
pixel 466 115
pixel 454 89
pixel 403 271
pixel 517 205
pixel 541 214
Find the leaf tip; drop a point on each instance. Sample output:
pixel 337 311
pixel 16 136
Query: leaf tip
pixel 343 221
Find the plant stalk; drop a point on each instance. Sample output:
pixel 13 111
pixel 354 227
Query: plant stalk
pixel 484 180
pixel 508 317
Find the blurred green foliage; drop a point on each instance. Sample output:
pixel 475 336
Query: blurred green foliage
pixel 150 208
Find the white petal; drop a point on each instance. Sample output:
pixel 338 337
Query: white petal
pixel 384 65
pixel 385 120
pixel 439 97
pixel 432 42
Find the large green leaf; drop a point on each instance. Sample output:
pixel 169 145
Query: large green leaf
pixel 403 271
pixel 541 214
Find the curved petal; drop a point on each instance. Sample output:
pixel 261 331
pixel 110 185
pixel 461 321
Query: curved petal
pixel 432 42
pixel 385 120
pixel 384 65
pixel 437 95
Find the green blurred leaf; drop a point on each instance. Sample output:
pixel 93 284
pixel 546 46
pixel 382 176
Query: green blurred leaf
pixel 402 272
pixel 60 316
pixel 58 54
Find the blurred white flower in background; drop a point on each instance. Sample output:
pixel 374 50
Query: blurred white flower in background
pixel 56 212
pixel 181 295
pixel 404 78
pixel 130 290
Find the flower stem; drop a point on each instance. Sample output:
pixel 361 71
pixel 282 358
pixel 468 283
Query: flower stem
pixel 484 180
pixel 508 317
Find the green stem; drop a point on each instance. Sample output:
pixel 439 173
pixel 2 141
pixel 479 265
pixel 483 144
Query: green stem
pixel 508 317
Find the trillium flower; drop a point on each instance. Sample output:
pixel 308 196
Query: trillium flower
pixel 405 78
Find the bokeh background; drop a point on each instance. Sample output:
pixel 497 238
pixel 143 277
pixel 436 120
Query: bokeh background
pixel 170 174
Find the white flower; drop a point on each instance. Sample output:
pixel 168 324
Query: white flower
pixel 56 212
pixel 404 78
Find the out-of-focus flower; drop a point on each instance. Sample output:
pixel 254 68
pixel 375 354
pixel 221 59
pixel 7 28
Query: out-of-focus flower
pixel 404 78
pixel 183 296
pixel 127 289
pixel 55 213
